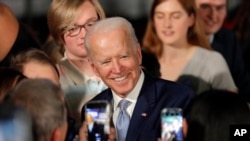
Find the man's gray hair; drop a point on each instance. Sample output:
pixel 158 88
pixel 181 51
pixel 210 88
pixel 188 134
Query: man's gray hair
pixel 44 101
pixel 109 24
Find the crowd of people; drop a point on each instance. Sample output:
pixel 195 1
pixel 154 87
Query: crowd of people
pixel 186 59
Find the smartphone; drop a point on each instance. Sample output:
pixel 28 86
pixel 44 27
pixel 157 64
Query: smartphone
pixel 97 117
pixel 171 124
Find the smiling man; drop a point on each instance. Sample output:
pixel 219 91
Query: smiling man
pixel 116 58
pixel 213 14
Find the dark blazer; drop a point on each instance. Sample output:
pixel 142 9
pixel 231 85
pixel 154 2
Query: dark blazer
pixel 155 95
pixel 226 43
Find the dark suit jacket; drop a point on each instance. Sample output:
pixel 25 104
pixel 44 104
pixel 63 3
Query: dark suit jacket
pixel 155 95
pixel 226 43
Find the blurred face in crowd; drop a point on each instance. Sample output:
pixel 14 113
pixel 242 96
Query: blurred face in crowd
pixel 212 13
pixel 116 59
pixel 34 69
pixel 172 22
pixel 75 33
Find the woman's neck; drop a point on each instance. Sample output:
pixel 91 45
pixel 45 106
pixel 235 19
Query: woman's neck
pixel 173 61
pixel 172 53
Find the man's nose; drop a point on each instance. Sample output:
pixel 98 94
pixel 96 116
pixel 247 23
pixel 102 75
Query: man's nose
pixel 214 14
pixel 116 66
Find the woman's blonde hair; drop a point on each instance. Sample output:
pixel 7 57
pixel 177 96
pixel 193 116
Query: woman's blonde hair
pixel 62 12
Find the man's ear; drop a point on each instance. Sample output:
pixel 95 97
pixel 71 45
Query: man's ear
pixel 59 133
pixel 95 70
pixel 56 135
pixel 139 54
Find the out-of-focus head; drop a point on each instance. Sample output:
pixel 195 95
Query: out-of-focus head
pixel 211 114
pixel 44 101
pixel 212 13
pixel 15 123
pixel 9 29
pixel 173 22
pixel 115 54
pixel 9 78
pixel 169 18
pixel 69 20
pixel 36 64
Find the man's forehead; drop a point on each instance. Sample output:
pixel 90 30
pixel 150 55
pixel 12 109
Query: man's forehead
pixel 210 2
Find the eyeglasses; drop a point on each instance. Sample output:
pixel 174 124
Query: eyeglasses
pixel 76 29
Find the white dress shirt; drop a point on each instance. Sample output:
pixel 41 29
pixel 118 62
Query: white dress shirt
pixel 132 97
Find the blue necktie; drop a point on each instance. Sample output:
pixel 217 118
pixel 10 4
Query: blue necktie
pixel 123 119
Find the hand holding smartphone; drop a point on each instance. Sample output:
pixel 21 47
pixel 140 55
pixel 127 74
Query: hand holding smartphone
pixel 171 122
pixel 97 117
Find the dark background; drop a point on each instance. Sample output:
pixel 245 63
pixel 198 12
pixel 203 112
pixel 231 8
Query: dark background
pixel 34 12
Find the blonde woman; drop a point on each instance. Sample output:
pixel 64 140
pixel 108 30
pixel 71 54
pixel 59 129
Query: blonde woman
pixel 68 23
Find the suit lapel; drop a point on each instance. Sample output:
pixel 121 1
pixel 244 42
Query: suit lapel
pixel 143 108
pixel 216 44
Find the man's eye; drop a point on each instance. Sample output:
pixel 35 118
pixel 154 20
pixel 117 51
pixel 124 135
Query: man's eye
pixel 122 57
pixel 219 8
pixel 205 6
pixel 105 62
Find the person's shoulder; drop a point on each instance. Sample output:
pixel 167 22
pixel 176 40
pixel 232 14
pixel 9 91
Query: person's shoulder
pixel 160 82
pixel 173 94
pixel 104 95
pixel 64 62
pixel 62 65
pixel 211 54
pixel 211 58
pixel 171 86
pixel 225 33
pixel 68 69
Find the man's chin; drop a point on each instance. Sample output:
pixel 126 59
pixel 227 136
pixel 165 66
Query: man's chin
pixel 212 31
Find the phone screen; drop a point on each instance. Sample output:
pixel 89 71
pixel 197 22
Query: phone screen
pixel 171 122
pixel 97 117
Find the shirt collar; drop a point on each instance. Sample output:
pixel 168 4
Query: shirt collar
pixel 133 95
pixel 211 38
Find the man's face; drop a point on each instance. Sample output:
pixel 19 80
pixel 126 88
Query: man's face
pixel 116 60
pixel 212 13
